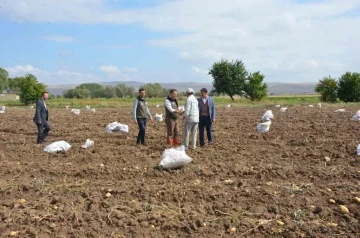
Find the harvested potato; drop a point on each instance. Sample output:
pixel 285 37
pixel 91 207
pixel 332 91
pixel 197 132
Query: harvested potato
pixel 13 233
pixel 232 229
pixel 332 201
pixel 21 201
pixel 357 199
pixel 228 181
pixel 344 209
pixel 332 225
pixel 279 223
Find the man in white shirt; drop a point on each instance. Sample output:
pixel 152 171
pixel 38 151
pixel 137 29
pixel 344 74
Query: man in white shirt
pixel 191 116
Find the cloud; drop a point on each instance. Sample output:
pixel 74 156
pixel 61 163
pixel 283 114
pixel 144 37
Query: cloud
pixel 110 69
pixel 284 39
pixel 199 71
pixel 184 55
pixel 67 73
pixel 51 78
pixel 20 70
pixel 131 70
pixel 59 39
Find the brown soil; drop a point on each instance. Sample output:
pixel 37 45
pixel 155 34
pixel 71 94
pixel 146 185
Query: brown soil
pixel 277 176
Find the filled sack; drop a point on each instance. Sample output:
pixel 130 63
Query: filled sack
pixel 174 158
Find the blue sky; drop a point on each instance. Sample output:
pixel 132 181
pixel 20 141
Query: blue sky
pixel 80 41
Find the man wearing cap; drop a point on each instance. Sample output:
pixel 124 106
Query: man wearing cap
pixel 191 116
pixel 207 116
pixel 171 118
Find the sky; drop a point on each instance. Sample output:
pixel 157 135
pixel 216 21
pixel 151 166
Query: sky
pixel 77 41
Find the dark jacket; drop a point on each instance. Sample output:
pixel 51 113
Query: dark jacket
pixel 211 104
pixel 174 105
pixel 41 113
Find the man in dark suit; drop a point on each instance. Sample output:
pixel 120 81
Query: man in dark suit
pixel 207 116
pixel 41 118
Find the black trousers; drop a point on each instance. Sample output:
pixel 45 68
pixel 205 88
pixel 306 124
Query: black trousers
pixel 205 122
pixel 43 131
pixel 142 130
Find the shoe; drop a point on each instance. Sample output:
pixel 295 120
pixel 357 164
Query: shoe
pixel 176 142
pixel 210 143
pixel 169 142
pixel 202 145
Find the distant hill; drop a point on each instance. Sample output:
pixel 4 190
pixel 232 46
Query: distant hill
pixel 274 88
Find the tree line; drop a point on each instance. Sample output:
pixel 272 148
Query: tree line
pixel 346 88
pixel 94 90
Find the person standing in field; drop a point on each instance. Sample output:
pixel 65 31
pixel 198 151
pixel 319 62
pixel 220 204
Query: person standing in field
pixel 141 114
pixel 171 118
pixel 207 116
pixel 41 118
pixel 191 117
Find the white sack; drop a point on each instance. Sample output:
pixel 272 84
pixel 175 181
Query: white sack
pixel 277 106
pixel 358 150
pixel 157 106
pixel 87 108
pixel 174 158
pixel 283 109
pixel 158 117
pixel 92 110
pixel 340 110
pixel 181 109
pixel 268 115
pixel 311 105
pixel 263 127
pixel 57 146
pixel 319 105
pixel 3 108
pixel 117 127
pixel 67 107
pixel 75 111
pixel 87 144
pixel 356 117
pixel 228 105
pixel 2 111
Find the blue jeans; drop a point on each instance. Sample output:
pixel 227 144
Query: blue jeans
pixel 205 122
pixel 142 130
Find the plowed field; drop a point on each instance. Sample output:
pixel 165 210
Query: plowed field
pixel 247 184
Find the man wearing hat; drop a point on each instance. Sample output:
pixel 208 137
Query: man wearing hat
pixel 207 116
pixel 191 116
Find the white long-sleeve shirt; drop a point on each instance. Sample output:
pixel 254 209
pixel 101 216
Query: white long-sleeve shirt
pixel 191 113
pixel 167 104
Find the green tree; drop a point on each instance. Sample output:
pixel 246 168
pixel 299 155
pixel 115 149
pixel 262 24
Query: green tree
pixel 124 91
pixel 255 88
pixel 4 76
pixel 153 90
pixel 109 92
pixel 349 87
pixel 96 90
pixel 30 89
pixel 14 83
pixel 77 93
pixel 228 77
pixel 327 87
